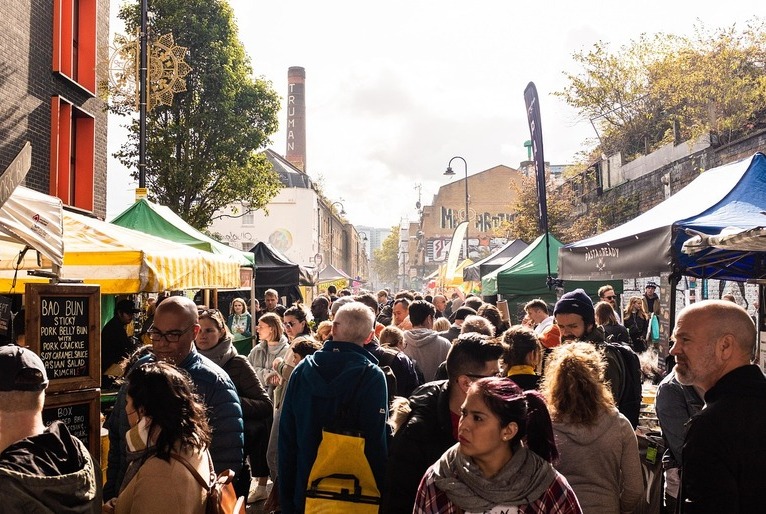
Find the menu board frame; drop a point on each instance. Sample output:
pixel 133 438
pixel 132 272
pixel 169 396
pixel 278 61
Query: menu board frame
pixel 40 296
pixel 91 397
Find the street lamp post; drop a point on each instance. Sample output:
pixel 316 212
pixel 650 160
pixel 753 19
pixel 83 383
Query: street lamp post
pixel 450 173
pixel 341 213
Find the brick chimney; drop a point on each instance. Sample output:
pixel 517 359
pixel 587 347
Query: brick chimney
pixel 296 117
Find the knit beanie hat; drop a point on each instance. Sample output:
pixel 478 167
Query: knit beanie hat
pixel 576 302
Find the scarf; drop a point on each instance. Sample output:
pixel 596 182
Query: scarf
pixel 220 353
pixel 139 448
pixel 521 369
pixel 522 480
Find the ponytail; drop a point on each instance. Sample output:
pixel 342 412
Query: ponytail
pixel 540 437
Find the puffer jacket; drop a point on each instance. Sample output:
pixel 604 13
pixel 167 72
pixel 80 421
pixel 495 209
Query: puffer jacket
pixel 420 442
pixel 222 401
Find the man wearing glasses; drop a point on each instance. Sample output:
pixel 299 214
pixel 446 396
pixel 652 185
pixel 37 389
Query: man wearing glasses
pixel 172 334
pixel 606 294
pixel 431 427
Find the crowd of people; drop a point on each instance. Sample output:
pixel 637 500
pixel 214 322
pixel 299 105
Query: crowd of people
pixel 459 410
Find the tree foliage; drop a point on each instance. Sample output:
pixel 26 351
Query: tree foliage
pixel 665 88
pixel 385 260
pixel 203 151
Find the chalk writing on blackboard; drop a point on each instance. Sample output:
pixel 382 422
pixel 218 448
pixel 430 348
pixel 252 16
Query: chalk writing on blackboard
pixel 75 417
pixel 64 336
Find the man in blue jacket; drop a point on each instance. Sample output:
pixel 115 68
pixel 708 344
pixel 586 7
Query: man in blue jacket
pixel 172 333
pixel 343 372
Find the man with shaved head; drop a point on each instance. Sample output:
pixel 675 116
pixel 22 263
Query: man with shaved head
pixel 724 452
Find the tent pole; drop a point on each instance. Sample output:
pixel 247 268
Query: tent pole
pixel 674 277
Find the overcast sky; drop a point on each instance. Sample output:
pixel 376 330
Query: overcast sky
pixel 395 89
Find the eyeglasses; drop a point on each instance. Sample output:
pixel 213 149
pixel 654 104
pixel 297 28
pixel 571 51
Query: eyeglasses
pixel 291 324
pixel 171 336
pixel 610 297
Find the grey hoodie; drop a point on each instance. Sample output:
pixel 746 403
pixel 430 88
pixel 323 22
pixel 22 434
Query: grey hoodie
pixel 601 462
pixel 427 348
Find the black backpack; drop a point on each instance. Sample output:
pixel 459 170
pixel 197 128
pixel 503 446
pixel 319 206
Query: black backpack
pixel 629 401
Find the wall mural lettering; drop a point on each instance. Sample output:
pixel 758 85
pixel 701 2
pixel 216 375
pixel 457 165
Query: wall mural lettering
pixel 484 222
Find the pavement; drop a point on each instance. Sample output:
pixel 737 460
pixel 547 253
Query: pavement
pixel 257 507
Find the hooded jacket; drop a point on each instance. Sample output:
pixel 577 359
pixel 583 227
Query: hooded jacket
pixel 340 373
pixel 427 348
pixel 49 473
pixel 601 462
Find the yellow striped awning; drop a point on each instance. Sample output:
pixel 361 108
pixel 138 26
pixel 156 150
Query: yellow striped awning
pixel 124 261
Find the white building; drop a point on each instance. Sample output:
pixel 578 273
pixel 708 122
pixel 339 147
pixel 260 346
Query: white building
pixel 300 223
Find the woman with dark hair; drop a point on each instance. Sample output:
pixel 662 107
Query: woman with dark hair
pixel 273 343
pixel 503 458
pixel 606 318
pixel 169 430
pixel 521 356
pixel 297 327
pixel 296 322
pixel 589 429
pixel 492 313
pixel 636 320
pixel 215 342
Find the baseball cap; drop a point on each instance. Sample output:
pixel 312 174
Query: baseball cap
pixel 126 306
pixel 651 284
pixel 21 370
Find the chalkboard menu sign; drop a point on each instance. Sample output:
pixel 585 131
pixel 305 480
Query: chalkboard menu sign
pixel 80 411
pixel 63 328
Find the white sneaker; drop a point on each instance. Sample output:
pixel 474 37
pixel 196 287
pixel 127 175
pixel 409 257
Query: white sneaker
pixel 257 494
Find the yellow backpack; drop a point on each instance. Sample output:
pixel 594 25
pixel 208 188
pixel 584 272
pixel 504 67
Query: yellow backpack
pixel 341 479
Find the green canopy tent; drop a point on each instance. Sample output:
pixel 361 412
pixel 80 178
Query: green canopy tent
pixel 523 278
pixel 160 221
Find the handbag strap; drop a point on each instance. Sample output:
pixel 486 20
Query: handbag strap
pixel 193 470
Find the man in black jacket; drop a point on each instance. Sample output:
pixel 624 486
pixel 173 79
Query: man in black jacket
pixel 724 452
pixel 432 424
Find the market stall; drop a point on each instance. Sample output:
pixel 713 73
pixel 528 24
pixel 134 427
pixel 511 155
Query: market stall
pixel 124 261
pixel 161 221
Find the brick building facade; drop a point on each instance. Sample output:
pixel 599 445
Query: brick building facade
pixel 490 199
pixel 53 54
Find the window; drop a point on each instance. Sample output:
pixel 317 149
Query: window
pixel 72 154
pixel 248 219
pixel 74 41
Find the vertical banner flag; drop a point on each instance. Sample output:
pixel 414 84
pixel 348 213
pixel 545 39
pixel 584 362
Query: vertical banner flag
pixel 536 134
pixel 454 250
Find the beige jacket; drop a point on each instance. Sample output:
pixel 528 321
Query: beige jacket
pixel 601 463
pixel 166 487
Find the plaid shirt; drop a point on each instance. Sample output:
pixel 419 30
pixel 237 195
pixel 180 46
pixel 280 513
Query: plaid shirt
pixel 559 498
